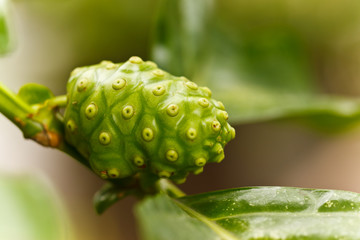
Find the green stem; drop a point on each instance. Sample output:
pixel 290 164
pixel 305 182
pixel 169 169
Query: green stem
pixel 17 111
pixel 58 101
pixel 167 187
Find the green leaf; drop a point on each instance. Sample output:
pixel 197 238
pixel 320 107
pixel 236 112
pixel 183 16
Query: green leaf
pixel 253 213
pixel 5 34
pixel 30 211
pixel 33 93
pixel 107 196
pixel 254 58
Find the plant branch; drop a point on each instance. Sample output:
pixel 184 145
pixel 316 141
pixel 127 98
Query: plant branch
pixel 38 123
pixel 17 111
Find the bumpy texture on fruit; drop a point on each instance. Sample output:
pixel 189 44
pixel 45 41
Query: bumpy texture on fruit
pixel 133 117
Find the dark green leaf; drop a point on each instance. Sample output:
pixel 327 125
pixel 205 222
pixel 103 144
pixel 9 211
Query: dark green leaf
pixel 33 93
pixel 5 36
pixel 256 57
pixel 253 213
pixel 115 190
pixel 106 197
pixel 30 211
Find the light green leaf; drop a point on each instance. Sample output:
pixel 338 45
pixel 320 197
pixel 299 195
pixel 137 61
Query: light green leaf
pixel 253 213
pixel 255 57
pixel 29 211
pixel 33 93
pixel 5 35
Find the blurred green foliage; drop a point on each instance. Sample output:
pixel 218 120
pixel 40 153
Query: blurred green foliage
pixel 264 59
pixel 99 30
pixel 5 36
pixel 30 210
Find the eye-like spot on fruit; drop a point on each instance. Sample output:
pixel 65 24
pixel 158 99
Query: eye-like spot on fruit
pixel 207 91
pixel 106 62
pixel 113 173
pixel 159 90
pixel 191 133
pixel 147 134
pixel 208 143
pixel 110 66
pixel 200 162
pixel 158 73
pixel 82 84
pixel 198 171
pixel 164 174
pixel 151 64
pixel 191 85
pixel 91 111
pixel 232 132
pixel 138 161
pixel 119 84
pixel 135 60
pixel 172 110
pixel 216 126
pixel 203 102
pixel 104 138
pixel 218 149
pixel 71 126
pixel 225 115
pixel 221 105
pixel 172 155
pixel 127 112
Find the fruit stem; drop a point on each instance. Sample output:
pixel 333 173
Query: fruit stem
pixel 58 101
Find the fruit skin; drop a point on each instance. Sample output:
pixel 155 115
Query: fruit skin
pixel 132 117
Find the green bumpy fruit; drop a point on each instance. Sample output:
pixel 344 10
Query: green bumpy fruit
pixel 133 117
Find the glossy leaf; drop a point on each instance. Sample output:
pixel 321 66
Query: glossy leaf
pixel 256 57
pixel 5 36
pixel 253 213
pixel 30 211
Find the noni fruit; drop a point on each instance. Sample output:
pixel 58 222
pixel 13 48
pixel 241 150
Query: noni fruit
pixel 133 117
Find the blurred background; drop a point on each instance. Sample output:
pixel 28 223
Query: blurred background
pixel 297 47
